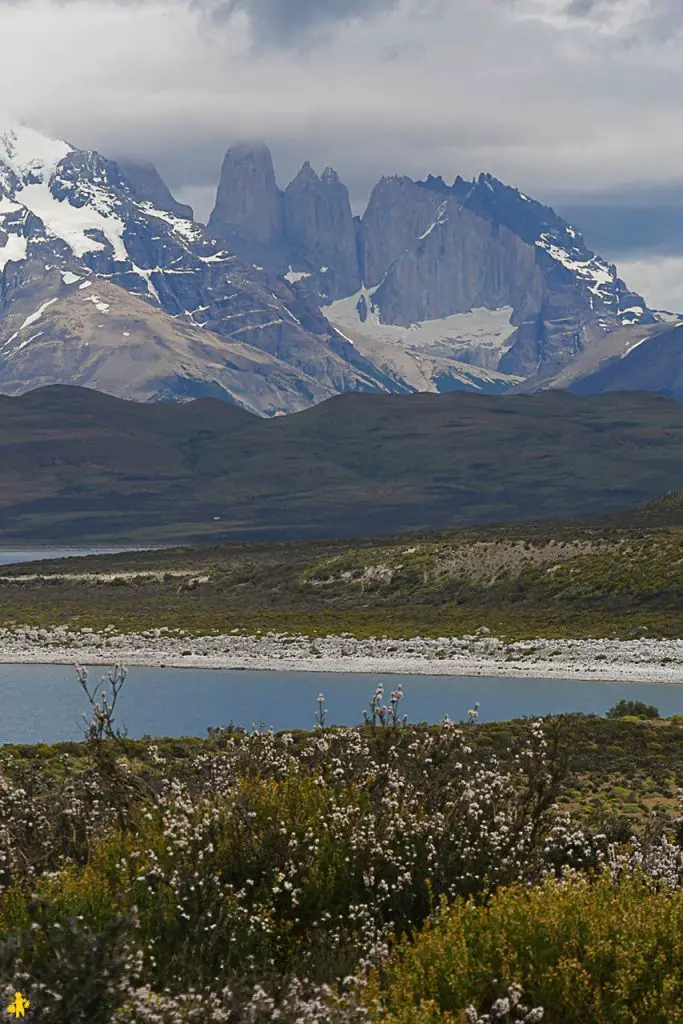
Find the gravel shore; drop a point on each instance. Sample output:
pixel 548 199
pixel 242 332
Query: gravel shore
pixel 643 660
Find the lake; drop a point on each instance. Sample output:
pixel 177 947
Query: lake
pixel 43 703
pixel 14 556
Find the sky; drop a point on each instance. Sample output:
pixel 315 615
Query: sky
pixel 574 101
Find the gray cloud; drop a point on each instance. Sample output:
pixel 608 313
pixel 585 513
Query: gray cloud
pixel 525 88
pixel 286 22
pixel 628 21
pixel 581 7
pixel 555 96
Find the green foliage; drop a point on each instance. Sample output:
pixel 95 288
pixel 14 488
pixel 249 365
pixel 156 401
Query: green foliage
pixel 186 880
pixel 632 709
pixel 560 580
pixel 257 859
pixel 585 950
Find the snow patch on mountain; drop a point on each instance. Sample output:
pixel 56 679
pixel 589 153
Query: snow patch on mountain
pixel 34 317
pixel 441 218
pixel 13 251
pixel 293 276
pixel 595 272
pixel 186 229
pixel 599 277
pixel 97 302
pixel 634 346
pixel 480 336
pixel 72 223
pixel 27 153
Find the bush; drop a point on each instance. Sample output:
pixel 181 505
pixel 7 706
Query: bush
pixel 585 950
pixel 632 709
pixel 256 877
pixel 266 860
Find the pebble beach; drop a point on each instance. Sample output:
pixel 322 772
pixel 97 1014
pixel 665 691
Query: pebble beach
pixel 642 660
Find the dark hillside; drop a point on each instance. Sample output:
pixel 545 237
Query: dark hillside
pixel 75 464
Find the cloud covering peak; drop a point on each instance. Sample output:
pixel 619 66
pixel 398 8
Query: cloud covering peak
pixel 546 94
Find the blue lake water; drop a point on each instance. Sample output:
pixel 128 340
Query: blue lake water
pixel 13 556
pixel 43 703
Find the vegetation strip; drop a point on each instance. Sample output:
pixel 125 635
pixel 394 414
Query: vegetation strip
pixel 620 578
pixel 387 873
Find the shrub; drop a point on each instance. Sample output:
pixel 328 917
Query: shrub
pixel 632 708
pixel 262 859
pixel 585 950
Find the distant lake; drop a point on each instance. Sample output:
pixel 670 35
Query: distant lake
pixel 43 703
pixel 13 556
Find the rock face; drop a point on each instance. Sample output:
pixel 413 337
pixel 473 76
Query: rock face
pixel 306 232
pixel 320 233
pixel 248 211
pixel 430 251
pixel 435 260
pixel 442 259
pixel 148 186
pixel 72 222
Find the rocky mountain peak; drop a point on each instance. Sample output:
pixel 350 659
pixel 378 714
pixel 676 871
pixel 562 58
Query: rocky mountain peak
pixel 320 233
pixel 148 186
pixel 306 173
pixel 399 211
pixel 248 211
pixel 26 156
pixel 480 272
pixel 435 183
pixel 99 285
pixel 438 286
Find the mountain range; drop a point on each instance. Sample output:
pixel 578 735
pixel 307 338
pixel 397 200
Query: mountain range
pixel 285 298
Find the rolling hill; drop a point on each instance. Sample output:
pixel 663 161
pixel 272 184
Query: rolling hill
pixel 78 465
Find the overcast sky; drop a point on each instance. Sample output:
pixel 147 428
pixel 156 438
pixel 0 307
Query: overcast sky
pixel 564 98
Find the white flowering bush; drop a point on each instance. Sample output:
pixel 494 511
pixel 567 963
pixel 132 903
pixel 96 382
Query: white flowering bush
pixel 266 877
pixel 506 1009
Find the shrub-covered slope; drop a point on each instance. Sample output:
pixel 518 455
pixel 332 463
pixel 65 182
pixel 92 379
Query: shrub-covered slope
pixel 621 577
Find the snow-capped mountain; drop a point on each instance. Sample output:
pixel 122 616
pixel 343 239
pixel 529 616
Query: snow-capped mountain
pixel 106 280
pixel 475 272
pixel 71 221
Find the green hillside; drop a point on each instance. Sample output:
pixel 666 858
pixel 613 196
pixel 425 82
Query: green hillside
pixel 612 576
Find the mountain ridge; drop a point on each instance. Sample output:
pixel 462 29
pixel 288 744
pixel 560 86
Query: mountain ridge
pixel 286 298
pixel 70 219
pixel 426 251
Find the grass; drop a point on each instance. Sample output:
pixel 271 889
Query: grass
pixel 620 578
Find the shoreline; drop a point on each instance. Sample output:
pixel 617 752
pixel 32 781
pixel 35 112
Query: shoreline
pixel 617 661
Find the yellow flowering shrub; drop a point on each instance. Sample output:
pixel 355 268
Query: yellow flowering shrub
pixel 588 951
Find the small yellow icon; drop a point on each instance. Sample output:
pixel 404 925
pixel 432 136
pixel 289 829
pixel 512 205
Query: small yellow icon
pixel 19 1007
